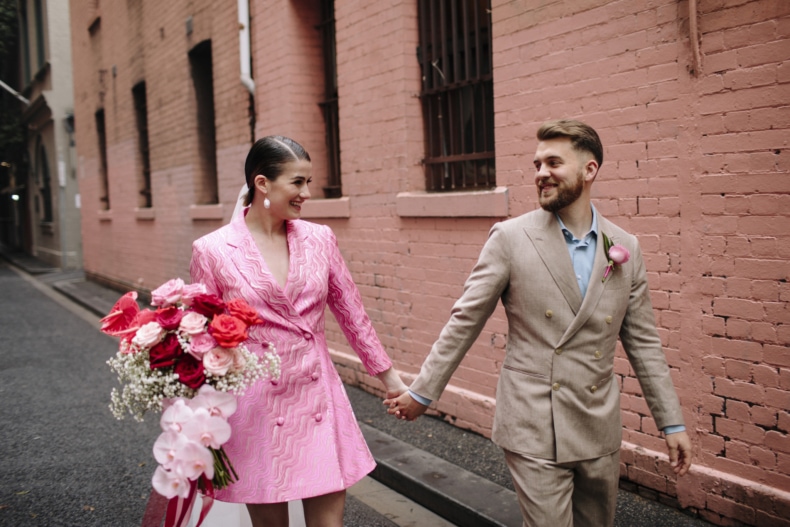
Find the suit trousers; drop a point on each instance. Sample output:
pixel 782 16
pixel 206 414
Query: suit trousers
pixel 576 494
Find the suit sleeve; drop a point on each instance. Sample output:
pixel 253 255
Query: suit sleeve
pixel 482 291
pixel 642 344
pixel 345 302
pixel 200 268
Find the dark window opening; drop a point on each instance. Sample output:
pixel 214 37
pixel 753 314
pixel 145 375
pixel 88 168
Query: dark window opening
pixel 329 105
pixel 141 119
pixel 45 185
pixel 457 94
pixel 104 185
pixel 203 81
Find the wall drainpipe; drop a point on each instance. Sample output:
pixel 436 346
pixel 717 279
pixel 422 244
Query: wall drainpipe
pixel 696 59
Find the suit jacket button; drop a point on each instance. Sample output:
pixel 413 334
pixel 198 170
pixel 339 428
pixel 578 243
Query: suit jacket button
pixel 609 319
pixel 593 389
pixel 318 418
pixel 314 376
pixel 549 313
pixel 308 336
pixel 558 351
pixel 280 421
pixel 597 354
pixel 555 386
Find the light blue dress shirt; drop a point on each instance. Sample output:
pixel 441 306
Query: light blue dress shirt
pixel 582 253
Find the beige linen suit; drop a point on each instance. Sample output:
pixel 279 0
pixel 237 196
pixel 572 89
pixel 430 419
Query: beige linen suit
pixel 557 398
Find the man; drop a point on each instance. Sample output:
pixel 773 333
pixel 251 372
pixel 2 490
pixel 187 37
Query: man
pixel 567 302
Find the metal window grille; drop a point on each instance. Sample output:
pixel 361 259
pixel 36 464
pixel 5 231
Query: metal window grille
pixel 104 182
pixel 141 119
pixel 333 189
pixel 457 94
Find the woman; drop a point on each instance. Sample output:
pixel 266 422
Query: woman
pixel 296 437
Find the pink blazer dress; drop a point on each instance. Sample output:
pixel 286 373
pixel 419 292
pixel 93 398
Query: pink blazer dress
pixel 296 437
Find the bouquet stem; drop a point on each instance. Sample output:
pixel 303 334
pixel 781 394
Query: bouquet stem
pixel 224 474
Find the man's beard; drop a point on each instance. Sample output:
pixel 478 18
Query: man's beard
pixel 566 194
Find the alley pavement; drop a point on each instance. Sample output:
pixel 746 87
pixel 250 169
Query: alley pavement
pixel 67 462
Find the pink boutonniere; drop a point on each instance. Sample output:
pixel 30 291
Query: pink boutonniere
pixel 616 253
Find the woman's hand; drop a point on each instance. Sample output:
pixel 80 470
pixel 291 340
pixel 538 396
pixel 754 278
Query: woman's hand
pixel 392 382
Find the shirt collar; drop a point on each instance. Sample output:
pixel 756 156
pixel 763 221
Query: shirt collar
pixel 593 228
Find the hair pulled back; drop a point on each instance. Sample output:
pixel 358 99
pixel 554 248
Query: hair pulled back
pixel 583 137
pixel 267 157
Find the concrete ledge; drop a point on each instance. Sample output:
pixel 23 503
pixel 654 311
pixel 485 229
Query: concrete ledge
pixel 453 493
pixel 144 213
pixel 207 212
pixel 327 208
pixel 477 203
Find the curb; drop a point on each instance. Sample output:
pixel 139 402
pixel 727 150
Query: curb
pixel 453 493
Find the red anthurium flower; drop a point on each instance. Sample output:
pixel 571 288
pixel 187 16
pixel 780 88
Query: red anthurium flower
pixel 121 315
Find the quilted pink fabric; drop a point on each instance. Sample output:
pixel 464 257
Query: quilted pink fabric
pixel 296 437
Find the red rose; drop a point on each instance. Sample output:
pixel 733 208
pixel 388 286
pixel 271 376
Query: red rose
pixel 165 353
pixel 169 318
pixel 240 309
pixel 208 305
pixel 228 331
pixel 121 315
pixel 190 371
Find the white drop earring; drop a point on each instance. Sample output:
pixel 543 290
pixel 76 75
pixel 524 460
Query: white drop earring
pixel 266 203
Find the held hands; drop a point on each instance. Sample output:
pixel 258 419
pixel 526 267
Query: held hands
pixel 392 382
pixel 404 407
pixel 679 447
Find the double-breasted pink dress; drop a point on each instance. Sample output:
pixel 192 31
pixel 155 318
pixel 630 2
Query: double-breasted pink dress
pixel 296 437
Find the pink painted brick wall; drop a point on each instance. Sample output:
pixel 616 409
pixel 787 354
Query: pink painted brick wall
pixel 695 165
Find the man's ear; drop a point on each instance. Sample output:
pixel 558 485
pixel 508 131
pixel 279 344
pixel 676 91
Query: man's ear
pixel 590 170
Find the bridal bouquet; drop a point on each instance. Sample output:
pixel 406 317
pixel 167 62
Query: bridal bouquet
pixel 187 357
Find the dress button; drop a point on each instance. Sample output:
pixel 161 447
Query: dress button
pixel 597 354
pixel 609 319
pixel 318 418
pixel 307 335
pixel 593 389
pixel 549 313
pixel 558 351
pixel 555 386
pixel 280 421
pixel 314 376
pixel 275 382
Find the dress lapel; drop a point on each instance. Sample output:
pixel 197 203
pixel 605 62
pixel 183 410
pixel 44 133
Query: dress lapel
pixel 268 296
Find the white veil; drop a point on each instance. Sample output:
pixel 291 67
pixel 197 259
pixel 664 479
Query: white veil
pixel 239 202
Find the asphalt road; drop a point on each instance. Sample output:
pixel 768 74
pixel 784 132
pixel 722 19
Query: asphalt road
pixel 65 460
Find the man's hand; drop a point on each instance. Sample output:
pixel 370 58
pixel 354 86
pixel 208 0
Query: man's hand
pixel 679 447
pixel 405 407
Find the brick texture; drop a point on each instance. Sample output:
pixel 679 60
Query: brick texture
pixel 696 165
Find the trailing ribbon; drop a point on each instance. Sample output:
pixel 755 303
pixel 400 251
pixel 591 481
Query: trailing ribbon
pixel 179 510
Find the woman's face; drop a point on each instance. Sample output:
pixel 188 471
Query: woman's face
pixel 288 192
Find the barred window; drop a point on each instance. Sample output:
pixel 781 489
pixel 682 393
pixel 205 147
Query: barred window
pixel 329 106
pixel 457 94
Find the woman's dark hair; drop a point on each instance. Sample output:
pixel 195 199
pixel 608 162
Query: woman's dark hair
pixel 267 157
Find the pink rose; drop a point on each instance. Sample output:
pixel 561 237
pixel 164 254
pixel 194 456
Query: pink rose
pixel 201 344
pixel 619 254
pixel 148 335
pixel 190 291
pixel 169 317
pixel 218 361
pixel 239 360
pixel 168 293
pixel 193 323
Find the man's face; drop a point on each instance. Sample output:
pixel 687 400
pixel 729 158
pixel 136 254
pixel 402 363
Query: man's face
pixel 559 173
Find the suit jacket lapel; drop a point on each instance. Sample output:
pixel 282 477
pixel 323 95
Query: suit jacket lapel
pixel 595 287
pixel 550 245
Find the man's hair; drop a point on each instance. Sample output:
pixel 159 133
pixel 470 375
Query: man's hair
pixel 583 137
